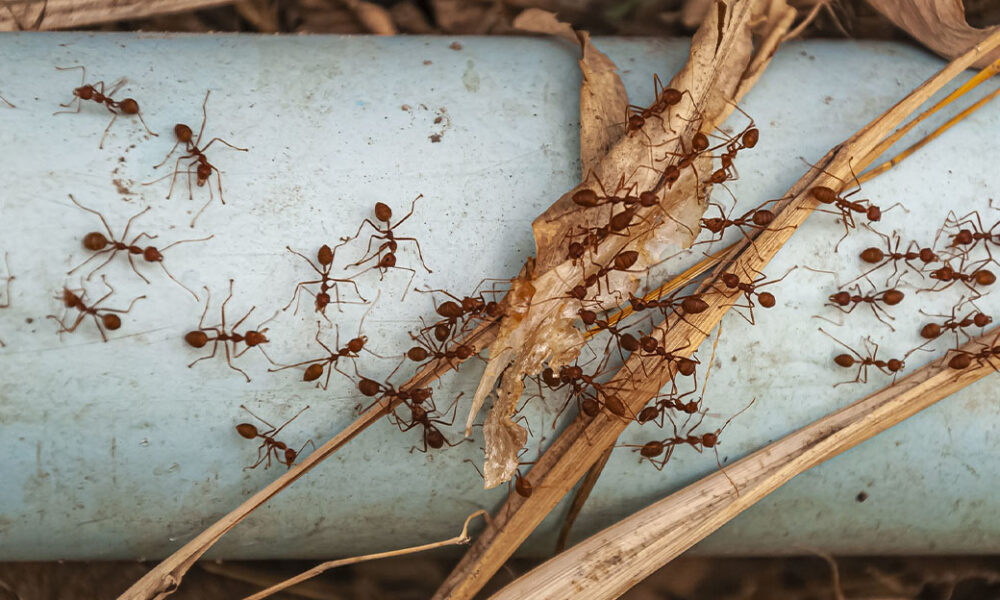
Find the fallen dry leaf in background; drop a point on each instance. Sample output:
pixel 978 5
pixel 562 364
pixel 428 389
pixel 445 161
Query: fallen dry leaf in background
pixel 938 24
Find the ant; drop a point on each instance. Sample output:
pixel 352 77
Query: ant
pixel 949 275
pixel 414 400
pixel 100 244
pixel 636 116
pixel 970 237
pixel 758 218
pixel 104 318
pixel 457 309
pixel 7 281
pixel 879 258
pixel 204 169
pixel 427 349
pixel 963 358
pixel 385 254
pixel 749 289
pixel 890 367
pixel 351 350
pixel 890 297
pixel 269 444
pixel 844 206
pixel 325 258
pixel 96 93
pixel 253 338
pixel 976 318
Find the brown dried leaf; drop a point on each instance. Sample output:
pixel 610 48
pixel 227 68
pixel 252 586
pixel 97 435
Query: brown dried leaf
pixel 938 24
pixel 602 95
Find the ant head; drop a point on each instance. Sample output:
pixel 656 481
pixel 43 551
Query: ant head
pixel 449 309
pixel 570 373
pixel 383 212
pixel 85 92
pixel 730 280
pixel 290 456
pixel 313 372
pixel 699 142
pixel 421 395
pixel 151 254
pixel 387 261
pixel 651 449
pixel 960 361
pixel 357 344
pixel 945 273
pixel 719 176
pixel 981 320
pixel 579 292
pixel 417 354
pixel 70 298
pixel 872 255
pixel 895 365
pixel 129 106
pixel 196 339
pixel 841 298
pixel 111 321
pixel 648 199
pixel 823 194
pixel 690 407
pixel 763 217
pixel 750 138
pixel 694 305
pixel 369 387
pixel 325 255
pixel 247 430
pixel 670 96
pixel 494 310
pixel 927 255
pixel 962 238
pixel 874 213
pixel 549 377
pixel 575 250
pixel 713 224
pixel 685 366
pixel 892 297
pixel 844 360
pixel 202 173
pixel 709 440
pixel 766 299
pixel 255 338
pixel 471 304
pixel 984 277
pixel 95 241
pixel 183 133
pixel 671 174
pixel 635 123
pixel 930 331
pixel 586 197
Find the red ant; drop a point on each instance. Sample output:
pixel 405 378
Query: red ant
pixel 758 218
pixel 99 244
pixel 826 195
pixel 875 256
pixel 204 169
pixel 96 93
pixel 963 359
pixel 104 318
pixel 890 367
pixel 890 297
pixel 653 449
pixel 414 400
pixel 970 237
pixel 427 349
pixel 459 309
pixel 7 281
pixel 385 255
pixel 253 338
pixel 948 275
pixel 269 444
pixel 749 289
pixel 636 116
pixel 976 318
pixel 325 258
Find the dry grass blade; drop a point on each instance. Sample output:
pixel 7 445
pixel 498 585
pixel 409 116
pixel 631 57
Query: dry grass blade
pixel 69 14
pixel 163 580
pixel 462 538
pixel 652 537
pixel 582 443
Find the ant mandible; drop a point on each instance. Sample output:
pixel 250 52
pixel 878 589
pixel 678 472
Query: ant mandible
pixel 100 244
pixel 96 93
pixel 269 444
pixel 104 318
pixel 203 170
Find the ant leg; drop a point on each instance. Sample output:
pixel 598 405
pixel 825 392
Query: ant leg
pixel 210 198
pixel 419 252
pixel 111 236
pixel 218 139
pixel 204 118
pixel 408 282
pixel 167 157
pixel 229 361
pixel 177 281
pixel 298 289
pixel 367 255
pixel 143 121
pixel 208 300
pixel 413 207
pixel 108 128
pixel 215 347
pixel 131 262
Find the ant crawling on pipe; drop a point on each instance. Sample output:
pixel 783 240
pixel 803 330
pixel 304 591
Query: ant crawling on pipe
pixel 269 444
pixel 104 318
pixel 96 93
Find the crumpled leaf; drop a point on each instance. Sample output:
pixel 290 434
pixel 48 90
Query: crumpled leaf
pixel 542 330
pixel 938 24
pixel 603 99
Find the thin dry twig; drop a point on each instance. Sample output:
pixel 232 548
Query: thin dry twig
pixel 462 538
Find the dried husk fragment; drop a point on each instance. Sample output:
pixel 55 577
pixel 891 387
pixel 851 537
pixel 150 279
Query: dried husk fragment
pixel 938 24
pixel 583 442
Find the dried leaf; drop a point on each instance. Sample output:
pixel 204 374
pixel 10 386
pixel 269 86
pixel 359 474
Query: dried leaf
pixel 938 24
pixel 373 17
pixel 603 99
